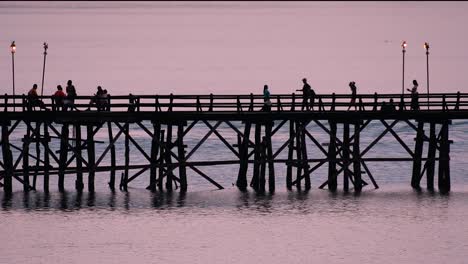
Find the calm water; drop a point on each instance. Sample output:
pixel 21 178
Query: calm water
pixel 231 47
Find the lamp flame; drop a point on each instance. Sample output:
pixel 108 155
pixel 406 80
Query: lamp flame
pixel 13 47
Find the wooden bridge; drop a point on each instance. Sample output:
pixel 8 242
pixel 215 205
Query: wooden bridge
pixel 171 117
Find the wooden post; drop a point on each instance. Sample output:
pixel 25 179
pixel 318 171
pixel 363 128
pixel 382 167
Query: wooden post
pixel 332 182
pixel 155 145
pixel 162 154
pixel 7 161
pixel 289 168
pixel 243 153
pixel 418 149
pixel 346 174
pixel 46 157
pixel 169 176
pixel 262 154
pixel 181 156
pixel 256 169
pixel 271 164
pixel 38 157
pixel 444 160
pixel 431 154
pixel 112 153
pixel 91 157
pixel 26 141
pixel 79 164
pixel 63 157
pixel 357 159
pixel 305 158
pixel 299 162
pixel 124 183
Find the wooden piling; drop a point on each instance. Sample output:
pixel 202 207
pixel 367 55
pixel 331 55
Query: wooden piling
pixel 7 161
pixel 91 157
pixel 332 181
pixel 269 156
pixel 418 149
pixel 124 184
pixel 46 157
pixel 244 157
pixel 112 156
pixel 154 155
pixel 261 179
pixel 431 154
pixel 162 153
pixel 298 148
pixel 444 159
pixel 305 158
pixel 26 141
pixel 256 169
pixel 37 139
pixel 181 156
pixel 357 158
pixel 346 161
pixel 290 155
pixel 168 159
pixel 63 157
pixel 79 164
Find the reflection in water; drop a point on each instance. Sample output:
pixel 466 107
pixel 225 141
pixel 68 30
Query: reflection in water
pixel 297 201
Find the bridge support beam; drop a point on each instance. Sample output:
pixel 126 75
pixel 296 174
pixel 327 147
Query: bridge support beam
pixel 444 159
pixel 244 157
pixel 63 157
pixel 292 135
pixel 431 156
pixel 332 173
pixel 418 149
pixel 7 160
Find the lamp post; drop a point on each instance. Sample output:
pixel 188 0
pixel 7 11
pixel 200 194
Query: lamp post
pixel 13 50
pixel 43 67
pixel 426 46
pixel 403 46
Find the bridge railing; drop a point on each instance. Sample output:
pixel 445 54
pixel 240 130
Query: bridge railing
pixel 243 103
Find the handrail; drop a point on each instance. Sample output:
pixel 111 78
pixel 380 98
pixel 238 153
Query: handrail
pixel 242 103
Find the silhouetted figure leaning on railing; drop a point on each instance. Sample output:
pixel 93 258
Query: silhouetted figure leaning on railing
pixel 33 99
pixel 414 96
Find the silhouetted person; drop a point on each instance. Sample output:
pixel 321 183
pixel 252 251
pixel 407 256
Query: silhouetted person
pixel 384 107
pixel 307 94
pixel 391 105
pixel 96 100
pixel 33 99
pixel 266 99
pixel 414 96
pixel 104 100
pixel 352 86
pixel 59 96
pixel 71 95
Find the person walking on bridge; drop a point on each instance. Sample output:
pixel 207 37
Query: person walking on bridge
pixel 307 95
pixel 352 86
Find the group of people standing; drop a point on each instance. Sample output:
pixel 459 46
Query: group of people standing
pixel 308 97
